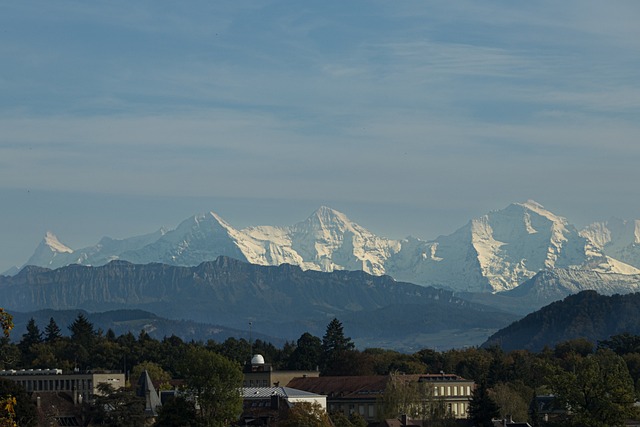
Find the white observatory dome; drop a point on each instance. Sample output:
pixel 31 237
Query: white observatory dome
pixel 257 360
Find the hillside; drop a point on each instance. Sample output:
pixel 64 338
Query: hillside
pixel 282 301
pixel 583 315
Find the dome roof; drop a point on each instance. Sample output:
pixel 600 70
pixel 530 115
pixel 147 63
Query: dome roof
pixel 257 360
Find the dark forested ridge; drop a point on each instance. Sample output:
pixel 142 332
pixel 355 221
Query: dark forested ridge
pixel 584 315
pixel 123 321
pixel 282 301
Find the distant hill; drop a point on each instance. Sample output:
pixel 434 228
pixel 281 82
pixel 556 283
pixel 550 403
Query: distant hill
pixel 282 301
pixel 584 315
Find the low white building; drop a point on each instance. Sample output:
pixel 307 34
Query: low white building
pixel 262 396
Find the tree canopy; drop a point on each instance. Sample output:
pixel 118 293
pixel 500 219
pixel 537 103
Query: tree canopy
pixel 215 381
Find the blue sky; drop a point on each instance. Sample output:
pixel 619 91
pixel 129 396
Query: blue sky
pixel 411 117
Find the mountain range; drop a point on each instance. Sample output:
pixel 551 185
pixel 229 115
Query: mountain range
pixel 281 301
pixel 490 254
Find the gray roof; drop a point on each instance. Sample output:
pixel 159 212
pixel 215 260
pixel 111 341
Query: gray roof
pixel 266 392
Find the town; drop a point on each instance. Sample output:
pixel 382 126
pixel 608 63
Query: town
pixel 93 377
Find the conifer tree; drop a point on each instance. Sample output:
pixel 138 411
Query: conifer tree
pixel 482 409
pixel 32 337
pixel 52 332
pixel 82 331
pixel 337 349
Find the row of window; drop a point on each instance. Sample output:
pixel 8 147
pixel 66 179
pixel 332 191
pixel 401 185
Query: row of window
pixel 452 391
pixel 56 385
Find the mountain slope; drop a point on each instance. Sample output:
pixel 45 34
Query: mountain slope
pixel 584 315
pixel 548 286
pixel 616 238
pixel 281 301
pixel 500 250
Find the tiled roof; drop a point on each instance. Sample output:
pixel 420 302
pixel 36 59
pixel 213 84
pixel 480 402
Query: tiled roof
pixel 353 387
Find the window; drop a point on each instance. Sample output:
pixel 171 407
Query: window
pixel 361 410
pixel 372 413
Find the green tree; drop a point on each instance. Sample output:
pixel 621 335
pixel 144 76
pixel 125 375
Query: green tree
pixel 176 412
pixel 599 390
pixel 82 332
pixel 157 374
pixel 306 356
pixel 306 414
pixel 482 408
pixel 416 399
pixel 337 349
pixel 357 420
pixel 32 337
pixel 510 401
pixel 118 407
pixel 215 381
pixel 339 419
pixel 52 332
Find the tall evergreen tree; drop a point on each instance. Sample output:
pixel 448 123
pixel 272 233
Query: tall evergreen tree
pixel 52 332
pixel 82 331
pixel 337 350
pixel 32 337
pixel 482 409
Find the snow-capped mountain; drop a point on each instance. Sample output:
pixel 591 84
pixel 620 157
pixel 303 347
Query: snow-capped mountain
pixel 500 250
pixel 616 238
pixel 492 253
pixel 50 252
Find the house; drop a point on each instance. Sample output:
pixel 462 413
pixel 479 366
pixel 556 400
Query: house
pixel 365 394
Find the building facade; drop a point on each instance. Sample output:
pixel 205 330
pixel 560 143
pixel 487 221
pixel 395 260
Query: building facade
pixel 79 385
pixel 365 394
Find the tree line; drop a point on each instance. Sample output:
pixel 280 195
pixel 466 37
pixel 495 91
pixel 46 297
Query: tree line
pixel 599 382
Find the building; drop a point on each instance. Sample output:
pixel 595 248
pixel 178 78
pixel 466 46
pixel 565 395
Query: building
pixel 454 390
pixel 262 406
pixel 257 373
pixel 365 394
pixel 262 396
pixel 78 385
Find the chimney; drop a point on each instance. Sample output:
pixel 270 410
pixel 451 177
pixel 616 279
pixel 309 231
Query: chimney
pixel 404 420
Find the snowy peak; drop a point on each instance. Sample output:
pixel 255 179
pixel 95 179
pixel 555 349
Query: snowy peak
pixel 492 253
pixel 500 250
pixel 49 251
pixel 50 240
pixel 616 238
pixel 325 219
